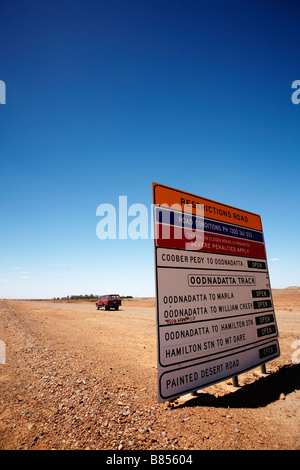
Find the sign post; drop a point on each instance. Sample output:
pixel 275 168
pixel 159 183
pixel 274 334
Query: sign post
pixel 215 314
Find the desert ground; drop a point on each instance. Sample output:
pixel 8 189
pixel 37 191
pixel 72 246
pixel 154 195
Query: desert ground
pixel 78 378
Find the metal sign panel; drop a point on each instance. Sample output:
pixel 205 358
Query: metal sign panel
pixel 215 314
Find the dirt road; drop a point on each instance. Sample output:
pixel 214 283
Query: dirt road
pixel 78 378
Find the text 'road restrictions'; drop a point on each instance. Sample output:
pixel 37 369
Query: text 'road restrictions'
pixel 215 314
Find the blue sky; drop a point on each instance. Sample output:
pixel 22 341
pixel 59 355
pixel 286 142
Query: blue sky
pixel 104 97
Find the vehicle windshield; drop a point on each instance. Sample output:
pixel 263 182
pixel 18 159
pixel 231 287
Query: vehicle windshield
pixel 114 297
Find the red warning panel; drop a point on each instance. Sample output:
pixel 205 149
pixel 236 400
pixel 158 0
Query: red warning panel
pixel 188 239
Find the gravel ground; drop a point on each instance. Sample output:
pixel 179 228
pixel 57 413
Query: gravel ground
pixel 78 378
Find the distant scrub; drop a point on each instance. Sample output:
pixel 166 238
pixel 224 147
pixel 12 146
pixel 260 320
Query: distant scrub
pixel 87 297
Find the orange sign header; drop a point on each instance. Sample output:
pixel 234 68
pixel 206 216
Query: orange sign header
pixel 186 202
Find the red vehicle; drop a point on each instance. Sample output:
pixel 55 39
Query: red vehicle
pixel 109 301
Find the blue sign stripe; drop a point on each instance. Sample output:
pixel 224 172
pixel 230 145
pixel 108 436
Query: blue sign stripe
pixel 181 219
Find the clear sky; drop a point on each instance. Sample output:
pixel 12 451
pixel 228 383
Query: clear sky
pixel 103 97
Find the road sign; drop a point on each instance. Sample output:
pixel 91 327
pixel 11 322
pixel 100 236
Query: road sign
pixel 215 314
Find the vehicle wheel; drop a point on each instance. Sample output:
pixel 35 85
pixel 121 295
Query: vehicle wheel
pixel 97 307
pixel 116 308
